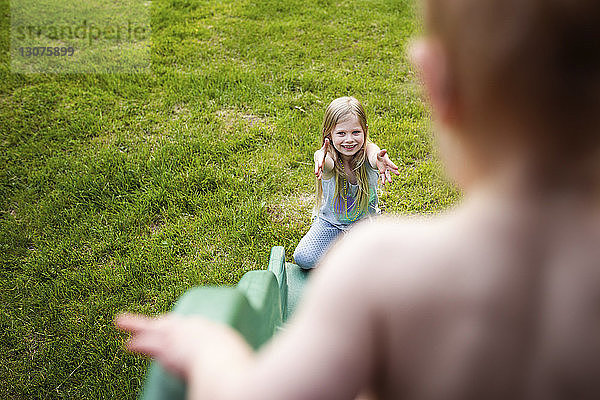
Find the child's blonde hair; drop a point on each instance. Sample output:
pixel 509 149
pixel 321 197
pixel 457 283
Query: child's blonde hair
pixel 337 111
pixel 530 64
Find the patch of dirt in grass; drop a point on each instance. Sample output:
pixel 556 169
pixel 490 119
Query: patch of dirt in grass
pixel 232 118
pixel 292 210
pixel 136 126
pixel 149 300
pixel 36 343
pixel 155 227
pixel 384 196
pixel 33 340
pixel 12 211
pixel 207 250
pixel 179 110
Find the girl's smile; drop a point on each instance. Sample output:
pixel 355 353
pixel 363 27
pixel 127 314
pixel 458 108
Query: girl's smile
pixel 348 136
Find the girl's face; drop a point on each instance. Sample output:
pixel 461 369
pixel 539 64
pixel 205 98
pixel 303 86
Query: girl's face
pixel 348 136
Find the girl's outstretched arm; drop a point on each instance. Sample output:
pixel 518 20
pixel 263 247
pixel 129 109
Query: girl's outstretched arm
pixel 380 160
pixel 323 162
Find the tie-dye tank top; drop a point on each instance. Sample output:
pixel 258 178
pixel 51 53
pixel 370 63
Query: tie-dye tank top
pixel 340 216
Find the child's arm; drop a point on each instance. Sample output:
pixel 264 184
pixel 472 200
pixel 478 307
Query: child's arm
pixel 190 347
pixel 380 160
pixel 323 162
pixel 328 351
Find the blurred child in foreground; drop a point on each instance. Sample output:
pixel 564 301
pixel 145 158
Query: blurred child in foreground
pixel 498 298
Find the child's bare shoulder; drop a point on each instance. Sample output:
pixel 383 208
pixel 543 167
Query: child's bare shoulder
pixel 388 243
pixel 400 256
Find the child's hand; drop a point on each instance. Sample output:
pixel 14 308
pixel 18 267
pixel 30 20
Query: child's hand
pixel 385 165
pixel 185 345
pixel 320 161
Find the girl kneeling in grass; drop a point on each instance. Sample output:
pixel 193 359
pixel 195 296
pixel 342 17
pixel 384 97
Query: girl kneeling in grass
pixel 347 168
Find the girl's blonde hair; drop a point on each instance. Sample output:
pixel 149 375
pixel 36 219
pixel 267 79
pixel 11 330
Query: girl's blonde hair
pixel 338 111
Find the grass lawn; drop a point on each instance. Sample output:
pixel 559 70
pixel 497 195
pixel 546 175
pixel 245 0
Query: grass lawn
pixel 122 191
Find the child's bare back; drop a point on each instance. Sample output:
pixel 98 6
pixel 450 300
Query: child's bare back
pixel 496 300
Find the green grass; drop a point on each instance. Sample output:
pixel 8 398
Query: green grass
pixel 120 192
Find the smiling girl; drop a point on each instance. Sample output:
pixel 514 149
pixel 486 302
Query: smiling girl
pixel 347 167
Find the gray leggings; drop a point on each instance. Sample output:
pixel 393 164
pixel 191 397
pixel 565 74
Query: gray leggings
pixel 315 243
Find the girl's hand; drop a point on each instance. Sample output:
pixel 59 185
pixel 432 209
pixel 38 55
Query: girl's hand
pixel 320 159
pixel 385 165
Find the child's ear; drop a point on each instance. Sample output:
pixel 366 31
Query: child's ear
pixel 430 59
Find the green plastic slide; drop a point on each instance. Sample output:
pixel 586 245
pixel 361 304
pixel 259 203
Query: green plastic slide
pixel 260 303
